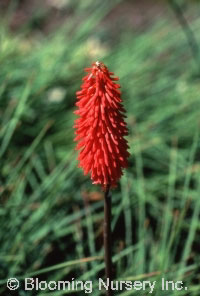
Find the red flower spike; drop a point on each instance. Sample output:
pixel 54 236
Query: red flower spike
pixel 100 130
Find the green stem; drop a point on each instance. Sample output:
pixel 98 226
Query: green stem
pixel 107 238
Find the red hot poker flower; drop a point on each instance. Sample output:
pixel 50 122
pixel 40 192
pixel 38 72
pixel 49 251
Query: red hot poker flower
pixel 100 130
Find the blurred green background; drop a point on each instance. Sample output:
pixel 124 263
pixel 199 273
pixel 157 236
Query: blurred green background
pixel 51 216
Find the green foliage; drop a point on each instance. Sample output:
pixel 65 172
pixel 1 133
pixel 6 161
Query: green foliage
pixel 47 225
